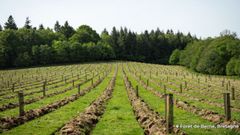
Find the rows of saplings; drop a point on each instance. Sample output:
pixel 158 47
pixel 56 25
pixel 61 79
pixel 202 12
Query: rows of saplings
pixel 156 80
pixel 65 86
pixel 50 81
pixel 209 84
pixel 31 77
pixel 44 87
pixel 149 120
pixel 196 86
pixel 188 92
pixel 9 122
pixel 85 121
pixel 47 84
pixel 209 115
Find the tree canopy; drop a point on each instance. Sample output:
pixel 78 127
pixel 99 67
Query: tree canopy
pixel 220 55
pixel 29 46
pixel 10 24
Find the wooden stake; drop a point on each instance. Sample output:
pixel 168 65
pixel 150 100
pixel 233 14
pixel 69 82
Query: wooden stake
pixel 165 89
pixel 169 112
pixel 44 88
pixel 227 105
pixel 21 103
pixel 233 93
pixel 78 88
pixel 137 90
pixel 180 88
pixel 13 87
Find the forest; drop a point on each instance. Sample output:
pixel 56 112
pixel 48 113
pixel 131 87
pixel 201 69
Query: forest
pixel 31 46
pixel 220 55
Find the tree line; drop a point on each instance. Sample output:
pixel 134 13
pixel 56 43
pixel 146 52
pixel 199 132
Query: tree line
pixel 220 55
pixel 31 46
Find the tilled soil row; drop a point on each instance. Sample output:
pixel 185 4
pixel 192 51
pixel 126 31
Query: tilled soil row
pixel 7 123
pixel 86 120
pixel 204 113
pixel 149 120
pixel 29 101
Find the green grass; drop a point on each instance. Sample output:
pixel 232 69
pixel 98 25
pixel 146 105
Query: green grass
pixel 180 116
pixel 50 123
pixel 52 90
pixel 235 115
pixel 118 118
pixel 43 102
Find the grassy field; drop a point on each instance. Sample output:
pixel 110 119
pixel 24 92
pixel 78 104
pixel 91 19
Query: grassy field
pixel 198 99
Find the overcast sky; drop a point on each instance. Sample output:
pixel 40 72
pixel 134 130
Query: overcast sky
pixel 201 17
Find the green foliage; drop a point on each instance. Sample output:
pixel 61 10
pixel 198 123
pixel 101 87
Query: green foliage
pixel 23 60
pixel 62 51
pixel 212 56
pixel 233 66
pixel 105 37
pixel 1 29
pixel 42 54
pixel 85 34
pixel 27 23
pixel 41 27
pixel 57 27
pixel 67 30
pixel 10 24
pixel 8 45
pixel 174 58
pixel 28 46
pixel 211 63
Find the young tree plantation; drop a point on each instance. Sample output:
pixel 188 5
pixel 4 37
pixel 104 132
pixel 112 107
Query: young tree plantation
pixel 65 80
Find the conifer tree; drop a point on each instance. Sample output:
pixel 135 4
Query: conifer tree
pixel 10 24
pixel 27 23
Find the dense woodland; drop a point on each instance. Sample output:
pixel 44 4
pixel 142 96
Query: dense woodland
pixel 220 55
pixel 32 46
